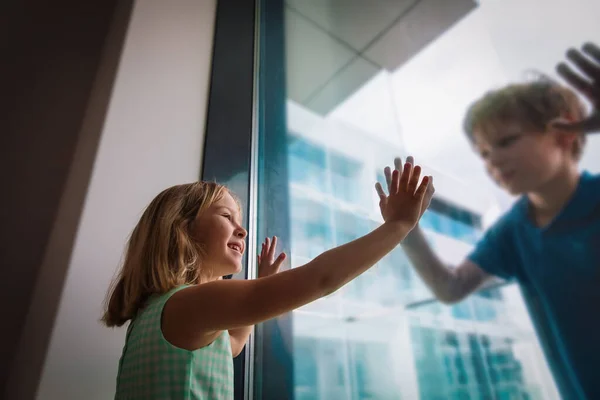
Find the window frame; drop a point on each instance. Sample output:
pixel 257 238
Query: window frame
pixel 240 95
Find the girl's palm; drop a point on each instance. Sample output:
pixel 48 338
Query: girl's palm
pixel 267 263
pixel 407 199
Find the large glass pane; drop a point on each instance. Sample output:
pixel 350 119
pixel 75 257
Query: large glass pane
pixel 363 84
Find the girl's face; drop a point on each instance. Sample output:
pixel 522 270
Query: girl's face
pixel 219 232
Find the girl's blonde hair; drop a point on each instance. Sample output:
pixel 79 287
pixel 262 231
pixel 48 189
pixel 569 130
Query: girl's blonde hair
pixel 161 254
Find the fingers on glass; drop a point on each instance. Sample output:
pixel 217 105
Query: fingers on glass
pixel 413 182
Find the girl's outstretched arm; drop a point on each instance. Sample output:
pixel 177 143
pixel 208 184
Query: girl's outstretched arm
pixel 195 316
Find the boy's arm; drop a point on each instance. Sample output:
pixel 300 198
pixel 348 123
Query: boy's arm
pixel 449 285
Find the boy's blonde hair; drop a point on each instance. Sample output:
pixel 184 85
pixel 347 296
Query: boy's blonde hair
pixel 161 253
pixel 532 106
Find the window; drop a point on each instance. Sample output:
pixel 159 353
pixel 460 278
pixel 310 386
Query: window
pixel 341 90
pixel 347 107
pixel 307 164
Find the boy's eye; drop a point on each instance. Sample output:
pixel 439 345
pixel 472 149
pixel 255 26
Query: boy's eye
pixel 507 141
pixel 228 216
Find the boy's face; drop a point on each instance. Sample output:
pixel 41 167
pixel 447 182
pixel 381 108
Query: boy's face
pixel 521 162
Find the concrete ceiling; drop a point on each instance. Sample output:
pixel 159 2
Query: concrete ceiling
pixel 333 47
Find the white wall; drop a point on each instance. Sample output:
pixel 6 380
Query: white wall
pixel 152 138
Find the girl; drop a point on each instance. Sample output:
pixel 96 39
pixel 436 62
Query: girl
pixel 187 322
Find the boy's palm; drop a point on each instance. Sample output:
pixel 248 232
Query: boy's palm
pixel 587 83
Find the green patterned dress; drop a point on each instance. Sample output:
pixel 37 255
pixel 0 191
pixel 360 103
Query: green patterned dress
pixel 152 368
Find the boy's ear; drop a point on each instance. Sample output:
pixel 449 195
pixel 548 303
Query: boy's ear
pixel 566 122
pixel 565 139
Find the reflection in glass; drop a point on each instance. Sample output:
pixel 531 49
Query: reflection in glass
pixel 367 84
pixel 382 336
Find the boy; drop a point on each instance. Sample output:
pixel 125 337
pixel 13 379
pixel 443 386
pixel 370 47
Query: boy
pixel 530 138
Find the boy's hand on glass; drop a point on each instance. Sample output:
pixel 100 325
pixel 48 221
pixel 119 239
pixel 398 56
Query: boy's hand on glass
pixel 407 199
pixel 587 83
pixel 267 263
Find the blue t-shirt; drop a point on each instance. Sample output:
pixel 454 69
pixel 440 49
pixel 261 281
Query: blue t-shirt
pixel 558 269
